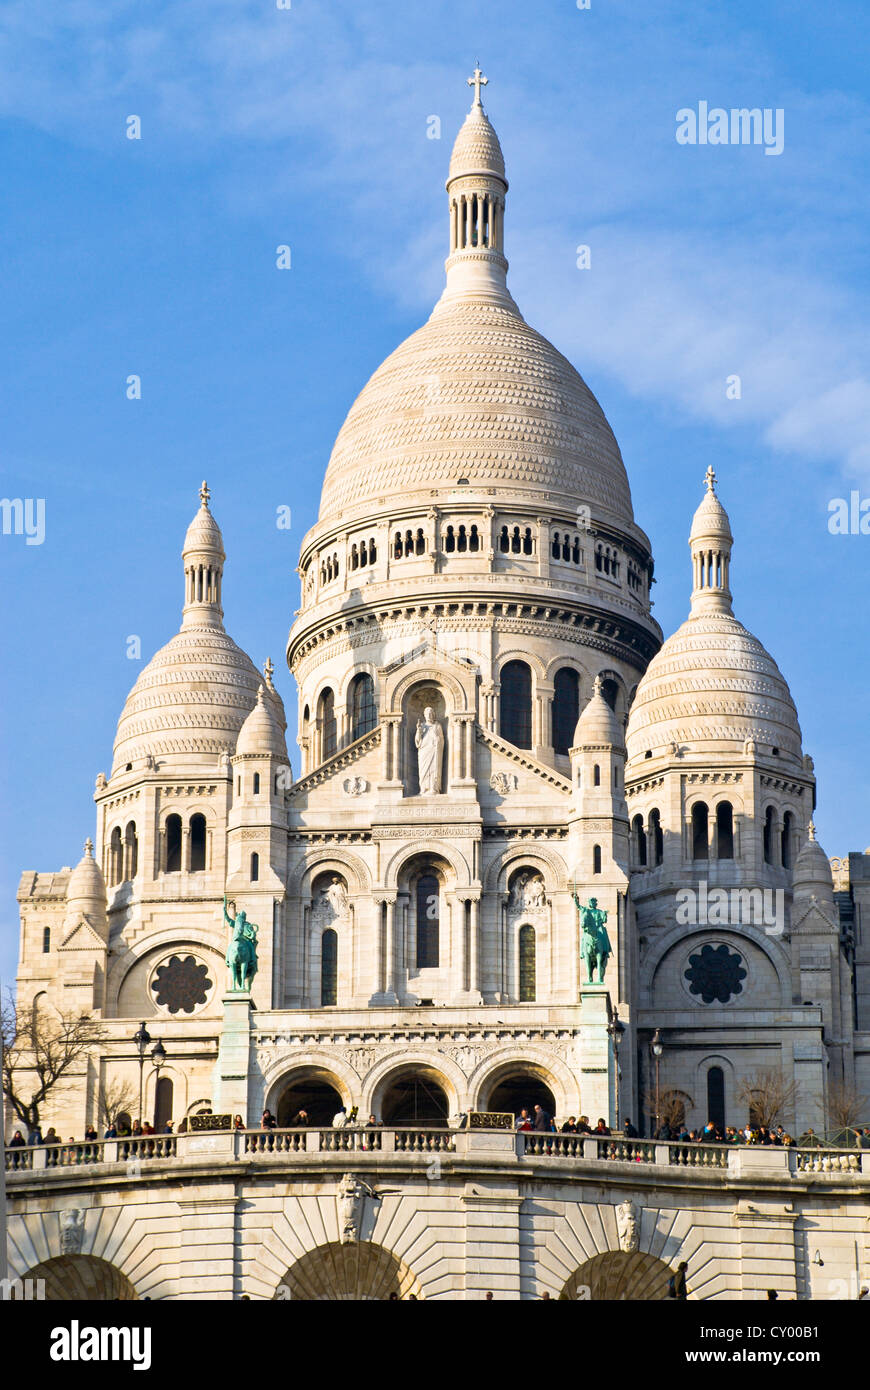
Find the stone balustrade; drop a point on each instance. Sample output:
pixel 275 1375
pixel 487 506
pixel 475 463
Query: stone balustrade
pixel 363 1144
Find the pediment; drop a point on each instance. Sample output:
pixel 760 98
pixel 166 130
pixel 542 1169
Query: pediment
pixel 83 937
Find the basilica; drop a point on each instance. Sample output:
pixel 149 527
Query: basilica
pixel 495 746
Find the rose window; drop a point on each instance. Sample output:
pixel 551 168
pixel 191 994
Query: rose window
pixel 181 984
pixel 716 973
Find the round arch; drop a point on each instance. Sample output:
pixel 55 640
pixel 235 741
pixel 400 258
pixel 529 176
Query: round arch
pixel 553 869
pixel 314 1070
pixel 146 952
pixel 433 849
pixel 82 1278
pixel 539 1066
pixel 355 1272
pixel 338 861
pixel 679 935
pixel 432 1067
pixel 635 1277
pixel 396 693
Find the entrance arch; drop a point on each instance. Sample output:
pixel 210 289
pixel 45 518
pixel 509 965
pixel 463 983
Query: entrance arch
pixel 521 1091
pixel 82 1277
pixel 414 1096
pixel 522 1083
pixel 311 1089
pixel 336 1273
pixel 615 1275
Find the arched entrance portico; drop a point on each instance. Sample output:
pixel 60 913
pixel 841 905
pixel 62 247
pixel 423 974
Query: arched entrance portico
pixel 311 1089
pixel 357 1272
pixel 616 1275
pixel 414 1095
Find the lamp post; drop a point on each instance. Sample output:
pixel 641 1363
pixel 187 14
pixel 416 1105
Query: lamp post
pixel 616 1029
pixel 141 1039
pixel 158 1057
pixel 657 1049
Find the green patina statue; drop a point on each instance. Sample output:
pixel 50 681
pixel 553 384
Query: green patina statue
pixel 595 947
pixel 241 954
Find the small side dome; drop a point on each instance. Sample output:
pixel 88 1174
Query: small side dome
pixel 710 522
pixel 812 871
pixel 597 723
pixel 86 889
pixel 260 733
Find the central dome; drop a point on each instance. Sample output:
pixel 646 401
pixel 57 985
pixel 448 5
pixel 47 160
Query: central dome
pixel 476 394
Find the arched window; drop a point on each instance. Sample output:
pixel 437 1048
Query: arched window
pixel 768 835
pixel 354 557
pixel 610 691
pixel 596 776
pixel 131 851
pixel 420 542
pixel 373 550
pixel 256 784
pixel 328 968
pixel 596 859
pixel 163 1101
pixel 555 548
pixel 328 727
pixel 449 540
pixel 716 1097
pixel 700 837
pixel 516 704
pixel 363 554
pixel 787 824
pixel 173 844
pixel 462 539
pixel 197 843
pixel 639 838
pixel 504 540
pixel 363 709
pixel 398 548
pixel 428 921
pixel 255 868
pixel 724 831
pixel 527 964
pixel 474 539
pixel 657 840
pixel 566 708
pixel 528 543
pixel 46 939
pixel 116 856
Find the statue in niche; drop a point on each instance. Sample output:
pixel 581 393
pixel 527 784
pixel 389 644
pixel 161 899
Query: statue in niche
pixel 352 1192
pixel 331 901
pixel 527 893
pixel 429 741
pixel 72 1231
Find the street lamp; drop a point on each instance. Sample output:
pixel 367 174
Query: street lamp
pixel 141 1039
pixel 158 1057
pixel 657 1049
pixel 616 1029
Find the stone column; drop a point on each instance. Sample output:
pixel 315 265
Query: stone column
pixel 185 848
pixel 230 1075
pixel 595 1071
pixel 544 547
pixel 390 952
pixel 474 946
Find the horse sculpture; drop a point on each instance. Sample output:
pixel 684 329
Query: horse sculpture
pixel 595 947
pixel 241 957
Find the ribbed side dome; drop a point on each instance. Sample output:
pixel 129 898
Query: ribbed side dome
pixel 261 733
pixel 712 683
pixel 189 702
pixel 477 149
pixel 86 889
pixel 812 870
pixel 476 393
pixel 598 724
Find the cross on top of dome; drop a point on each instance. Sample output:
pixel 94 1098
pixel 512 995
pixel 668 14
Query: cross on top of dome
pixel 710 477
pixel 204 493
pixel 477 81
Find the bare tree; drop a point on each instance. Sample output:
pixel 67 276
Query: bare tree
pixel 846 1105
pixel 768 1094
pixel 40 1050
pixel 672 1108
pixel 113 1098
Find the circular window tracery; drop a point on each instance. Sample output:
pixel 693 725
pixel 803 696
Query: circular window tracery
pixel 181 984
pixel 715 974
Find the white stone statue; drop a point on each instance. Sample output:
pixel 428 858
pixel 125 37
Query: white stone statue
pixel 337 897
pixel 627 1215
pixel 429 739
pixel 352 1192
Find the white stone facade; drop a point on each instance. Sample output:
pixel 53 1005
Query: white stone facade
pixel 476 556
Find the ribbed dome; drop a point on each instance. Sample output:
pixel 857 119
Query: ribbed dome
pixel 86 889
pixel 597 723
pixel 478 394
pixel 710 522
pixel 190 701
pixel 477 150
pixel 712 684
pixel 203 533
pixel 260 732
pixel 812 870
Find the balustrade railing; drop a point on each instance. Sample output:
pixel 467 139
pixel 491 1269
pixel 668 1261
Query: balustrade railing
pixel 273 1141
pixel 424 1141
pixel 18 1159
pixel 349 1140
pixel 699 1155
pixel 830 1161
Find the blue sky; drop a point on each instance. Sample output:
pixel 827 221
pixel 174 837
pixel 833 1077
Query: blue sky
pixel 307 126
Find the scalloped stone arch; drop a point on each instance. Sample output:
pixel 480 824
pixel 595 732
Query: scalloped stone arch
pixel 85 1278
pixel 321 861
pixel 459 864
pixel 358 668
pixel 552 1070
pixel 554 867
pixel 361 1271
pixel 613 1274
pixel 442 676
pixel 536 664
pixel 680 934
pixel 326 1065
pixel 556 663
pixel 448 1075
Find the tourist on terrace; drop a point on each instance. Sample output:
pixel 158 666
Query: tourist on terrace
pixel 51 1137
pixel 524 1120
pixel 268 1121
pixel 583 1125
pixel 601 1127
pixel 629 1130
pixel 238 1122
pixel 570 1125
pixel 17 1141
pixel 677 1283
pixel 300 1119
pixel 542 1121
pixel 34 1135
pixel 339 1119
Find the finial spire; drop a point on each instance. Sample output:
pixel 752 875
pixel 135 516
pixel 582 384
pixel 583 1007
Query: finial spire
pixel 89 847
pixel 204 494
pixel 710 478
pixel 268 670
pixel 477 81
pixel 811 830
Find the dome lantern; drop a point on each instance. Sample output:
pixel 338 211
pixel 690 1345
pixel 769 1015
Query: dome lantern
pixel 203 556
pixel 710 540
